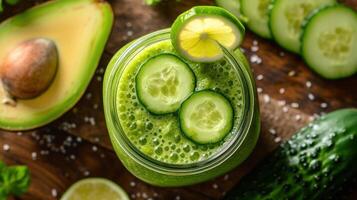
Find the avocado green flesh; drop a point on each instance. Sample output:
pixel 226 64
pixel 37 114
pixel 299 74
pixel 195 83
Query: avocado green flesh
pixel 80 30
pixel 311 165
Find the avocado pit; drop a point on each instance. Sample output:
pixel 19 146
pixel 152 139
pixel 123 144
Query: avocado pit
pixel 29 69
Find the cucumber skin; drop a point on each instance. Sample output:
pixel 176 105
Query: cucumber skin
pixel 300 169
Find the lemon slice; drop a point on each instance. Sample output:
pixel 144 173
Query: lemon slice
pixel 95 189
pixel 199 33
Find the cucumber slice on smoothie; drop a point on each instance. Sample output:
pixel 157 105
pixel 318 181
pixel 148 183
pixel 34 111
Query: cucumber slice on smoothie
pixel 199 33
pixel 329 43
pixel 257 13
pixel 206 117
pixel 163 83
pixel 286 18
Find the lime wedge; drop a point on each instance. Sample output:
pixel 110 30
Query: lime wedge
pixel 95 189
pixel 199 33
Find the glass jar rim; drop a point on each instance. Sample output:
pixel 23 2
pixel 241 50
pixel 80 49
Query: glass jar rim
pixel 121 59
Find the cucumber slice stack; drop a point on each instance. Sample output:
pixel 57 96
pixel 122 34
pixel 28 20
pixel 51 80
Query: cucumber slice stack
pixel 322 31
pixel 329 44
pixel 163 83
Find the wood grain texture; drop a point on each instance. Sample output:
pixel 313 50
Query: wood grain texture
pixel 282 113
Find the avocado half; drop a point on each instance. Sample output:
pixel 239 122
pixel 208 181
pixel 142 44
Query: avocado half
pixel 80 29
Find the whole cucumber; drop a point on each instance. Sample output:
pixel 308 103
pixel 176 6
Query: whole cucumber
pixel 311 165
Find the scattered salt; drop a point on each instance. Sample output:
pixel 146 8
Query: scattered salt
pixel 311 96
pixel 260 77
pixel 323 105
pixel 297 117
pixel 34 156
pixel 94 148
pixel 132 184
pixel 130 33
pixel 282 90
pixel 6 147
pixel 260 90
pixel 292 73
pixel 285 109
pixel 215 186
pixel 254 48
pixel 308 84
pixel 295 105
pixel 266 98
pixel 277 139
pixel 54 192
pixel 272 131
pixel 255 59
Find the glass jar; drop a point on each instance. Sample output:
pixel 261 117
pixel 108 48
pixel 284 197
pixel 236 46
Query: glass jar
pixel 163 174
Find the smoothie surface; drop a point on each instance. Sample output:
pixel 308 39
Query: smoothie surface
pixel 159 136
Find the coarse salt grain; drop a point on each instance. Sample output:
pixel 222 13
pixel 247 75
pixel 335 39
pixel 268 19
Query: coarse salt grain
pixel 132 184
pixel 277 139
pixel 54 192
pixel 292 73
pixel 311 96
pixel 282 103
pixel 282 90
pixel 260 77
pixel 266 98
pixel 260 90
pixel 295 105
pixel 285 109
pixel 94 148
pixel 323 105
pixel 308 84
pixel 6 147
pixel 34 155
pixel 254 48
pixel 272 131
pixel 297 117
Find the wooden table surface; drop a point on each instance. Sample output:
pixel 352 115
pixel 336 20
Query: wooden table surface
pixel 77 145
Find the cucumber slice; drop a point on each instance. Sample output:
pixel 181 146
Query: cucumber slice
pixel 163 83
pixel 232 6
pixel 257 12
pixel 329 42
pixel 286 18
pixel 206 117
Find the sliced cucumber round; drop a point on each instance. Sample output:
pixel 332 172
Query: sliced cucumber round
pixel 163 83
pixel 329 42
pixel 286 18
pixel 206 117
pixel 232 6
pixel 257 12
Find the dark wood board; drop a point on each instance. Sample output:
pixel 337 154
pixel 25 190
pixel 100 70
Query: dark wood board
pixel 284 100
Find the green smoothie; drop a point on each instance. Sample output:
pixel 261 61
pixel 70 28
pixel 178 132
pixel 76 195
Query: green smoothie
pixel 155 147
pixel 160 136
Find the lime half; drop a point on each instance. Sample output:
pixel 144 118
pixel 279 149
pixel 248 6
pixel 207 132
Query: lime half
pixel 95 189
pixel 199 33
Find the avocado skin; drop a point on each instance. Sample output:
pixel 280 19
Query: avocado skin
pixel 313 164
